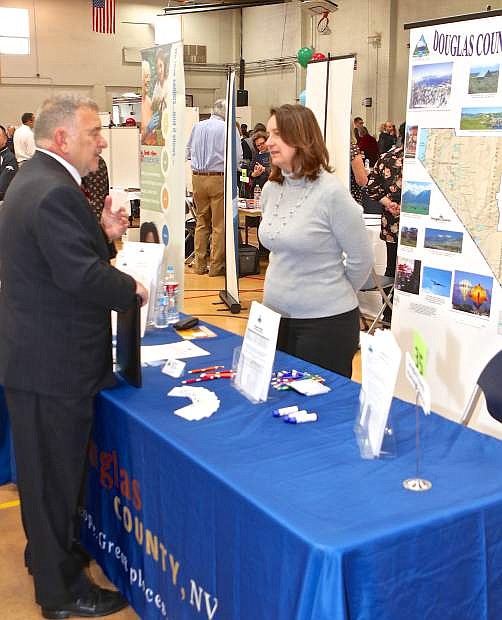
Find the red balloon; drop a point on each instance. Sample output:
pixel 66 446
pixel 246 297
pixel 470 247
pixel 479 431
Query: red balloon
pixel 318 56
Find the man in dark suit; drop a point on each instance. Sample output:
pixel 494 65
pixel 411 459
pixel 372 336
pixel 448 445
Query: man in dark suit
pixel 57 290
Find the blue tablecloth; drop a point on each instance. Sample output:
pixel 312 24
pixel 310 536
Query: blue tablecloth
pixel 6 473
pixel 243 517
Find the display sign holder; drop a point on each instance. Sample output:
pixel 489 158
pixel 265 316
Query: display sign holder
pixel 417 483
pixel 422 395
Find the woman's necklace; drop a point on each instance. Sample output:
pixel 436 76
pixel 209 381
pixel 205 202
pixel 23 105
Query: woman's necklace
pixel 283 220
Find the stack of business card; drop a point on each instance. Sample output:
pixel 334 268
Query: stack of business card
pixel 204 402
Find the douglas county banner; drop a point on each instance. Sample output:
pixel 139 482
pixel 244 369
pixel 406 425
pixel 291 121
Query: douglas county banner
pixel 163 149
pixel 449 266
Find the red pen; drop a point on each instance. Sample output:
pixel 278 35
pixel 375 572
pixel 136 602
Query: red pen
pixel 197 379
pixel 204 369
pixel 220 375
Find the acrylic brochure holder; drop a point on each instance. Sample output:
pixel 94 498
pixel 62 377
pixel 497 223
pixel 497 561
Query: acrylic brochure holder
pixel 380 359
pixel 365 433
pixel 253 362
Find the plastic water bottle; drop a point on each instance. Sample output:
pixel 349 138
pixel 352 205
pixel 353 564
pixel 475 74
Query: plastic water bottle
pixel 257 197
pixel 161 309
pixel 166 308
pixel 171 289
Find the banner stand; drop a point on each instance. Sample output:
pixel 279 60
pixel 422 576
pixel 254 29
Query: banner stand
pixel 230 296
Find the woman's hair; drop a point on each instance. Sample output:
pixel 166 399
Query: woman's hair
pixel 298 127
pixel 259 134
pixel 148 227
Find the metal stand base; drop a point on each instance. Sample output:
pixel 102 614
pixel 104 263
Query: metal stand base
pixel 417 484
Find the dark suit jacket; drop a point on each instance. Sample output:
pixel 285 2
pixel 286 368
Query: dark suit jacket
pixel 57 286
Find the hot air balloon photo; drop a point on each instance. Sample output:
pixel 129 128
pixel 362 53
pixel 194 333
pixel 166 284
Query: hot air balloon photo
pixel 472 293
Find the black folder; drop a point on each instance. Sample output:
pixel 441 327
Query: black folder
pixel 129 343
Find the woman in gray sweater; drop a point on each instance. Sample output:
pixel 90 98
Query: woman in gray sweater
pixel 320 254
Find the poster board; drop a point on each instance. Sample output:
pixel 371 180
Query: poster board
pixel 449 267
pixel 329 96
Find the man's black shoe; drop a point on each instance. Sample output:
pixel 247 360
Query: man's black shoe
pixel 94 604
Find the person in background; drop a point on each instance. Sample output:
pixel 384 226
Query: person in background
pixel 24 140
pixel 320 253
pixel 244 131
pixel 358 173
pixel 96 187
pixel 386 140
pixel 10 137
pixel 358 124
pixel 58 288
pixel 148 233
pixel 260 165
pixel 384 186
pixel 206 150
pixel 8 163
pixel 368 146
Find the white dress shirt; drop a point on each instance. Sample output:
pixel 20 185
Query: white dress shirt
pixel 24 144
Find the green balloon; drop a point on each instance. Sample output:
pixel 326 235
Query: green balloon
pixel 304 55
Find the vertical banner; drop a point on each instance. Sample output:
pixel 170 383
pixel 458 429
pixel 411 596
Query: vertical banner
pixel 329 96
pixel 231 293
pixel 449 266
pixel 163 149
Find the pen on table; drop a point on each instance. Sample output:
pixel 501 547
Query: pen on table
pixel 207 378
pixel 220 374
pixel 204 369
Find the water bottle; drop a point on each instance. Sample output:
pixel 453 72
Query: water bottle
pixel 367 165
pixel 257 197
pixel 171 289
pixel 161 309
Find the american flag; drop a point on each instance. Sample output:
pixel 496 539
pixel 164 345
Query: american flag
pixel 103 16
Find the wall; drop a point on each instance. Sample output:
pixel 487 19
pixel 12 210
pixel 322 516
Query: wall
pixel 271 32
pixel 67 55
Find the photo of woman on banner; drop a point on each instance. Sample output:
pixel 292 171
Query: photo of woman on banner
pixel 152 133
pixel 146 100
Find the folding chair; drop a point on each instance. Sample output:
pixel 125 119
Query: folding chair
pixel 385 286
pixel 190 221
pixel 488 384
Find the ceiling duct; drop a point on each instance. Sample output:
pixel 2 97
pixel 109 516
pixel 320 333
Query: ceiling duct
pixel 180 7
pixel 319 7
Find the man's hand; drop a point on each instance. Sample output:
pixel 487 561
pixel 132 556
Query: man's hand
pixel 257 170
pixel 142 292
pixel 115 223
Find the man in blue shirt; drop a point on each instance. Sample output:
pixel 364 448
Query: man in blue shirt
pixel 206 150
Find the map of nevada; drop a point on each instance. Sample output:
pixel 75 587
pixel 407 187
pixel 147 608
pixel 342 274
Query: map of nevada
pixel 468 172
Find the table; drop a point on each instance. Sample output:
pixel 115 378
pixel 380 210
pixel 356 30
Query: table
pixel 243 517
pixel 249 212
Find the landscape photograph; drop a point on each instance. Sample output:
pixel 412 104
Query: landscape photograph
pixel 416 197
pixel 481 119
pixel 484 79
pixel 436 281
pixel 431 85
pixel 409 236
pixel 445 240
